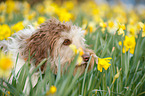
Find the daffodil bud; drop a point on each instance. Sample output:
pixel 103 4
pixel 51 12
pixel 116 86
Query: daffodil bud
pixel 52 90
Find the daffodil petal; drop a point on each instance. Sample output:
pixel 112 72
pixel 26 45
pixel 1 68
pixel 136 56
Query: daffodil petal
pixel 108 58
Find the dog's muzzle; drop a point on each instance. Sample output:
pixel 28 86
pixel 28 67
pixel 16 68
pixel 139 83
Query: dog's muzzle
pixel 86 57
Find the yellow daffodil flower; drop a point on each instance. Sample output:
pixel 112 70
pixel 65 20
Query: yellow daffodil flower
pixel 64 15
pixel 50 8
pixel 141 25
pixel 92 26
pixel 143 32
pixel 121 32
pixel 2 7
pixel 26 8
pixel 10 6
pixel 103 63
pixel 129 43
pixel 132 29
pixel 103 24
pixel 40 8
pixel 52 90
pixel 112 27
pixel 17 27
pixel 31 16
pixel 110 24
pixel 5 31
pixel 120 43
pixel 122 26
pixel 69 5
pixel 2 19
pixel 6 64
pixel 41 20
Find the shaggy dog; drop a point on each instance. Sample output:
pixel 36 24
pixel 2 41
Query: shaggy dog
pixel 50 40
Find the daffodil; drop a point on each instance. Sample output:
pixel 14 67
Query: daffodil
pixel 50 8
pixel 122 26
pixel 120 43
pixel 129 44
pixel 17 27
pixel 17 7
pixel 64 15
pixel 52 90
pixel 6 64
pixel 120 32
pixel 77 51
pixel 2 19
pixel 97 19
pixel 85 26
pixel 103 25
pixel 95 11
pixel 132 30
pixel 40 8
pixel 41 19
pixel 31 16
pixel 143 32
pixel 26 8
pixel 121 19
pixel 116 75
pixel 10 6
pixel 103 63
pixel 92 26
pixel 2 7
pixel 112 26
pixel 141 25
pixel 69 5
pixel 5 31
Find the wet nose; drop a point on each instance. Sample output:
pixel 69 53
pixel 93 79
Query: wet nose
pixel 86 57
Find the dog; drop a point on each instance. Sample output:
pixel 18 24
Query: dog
pixel 50 40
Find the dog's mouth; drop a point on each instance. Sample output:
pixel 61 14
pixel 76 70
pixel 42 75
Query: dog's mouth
pixel 85 61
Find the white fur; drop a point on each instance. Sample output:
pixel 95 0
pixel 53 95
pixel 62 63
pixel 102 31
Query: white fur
pixel 76 35
pixel 13 44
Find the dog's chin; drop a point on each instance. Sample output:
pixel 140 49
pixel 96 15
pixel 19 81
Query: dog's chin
pixel 82 67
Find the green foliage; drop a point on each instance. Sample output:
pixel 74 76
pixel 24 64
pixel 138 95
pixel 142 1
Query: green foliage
pixel 131 80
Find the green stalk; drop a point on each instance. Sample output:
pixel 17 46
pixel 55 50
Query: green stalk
pixel 85 76
pixel 104 84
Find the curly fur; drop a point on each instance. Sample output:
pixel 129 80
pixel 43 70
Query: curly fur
pixel 47 42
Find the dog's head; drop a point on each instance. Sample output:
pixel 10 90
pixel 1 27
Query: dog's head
pixel 52 39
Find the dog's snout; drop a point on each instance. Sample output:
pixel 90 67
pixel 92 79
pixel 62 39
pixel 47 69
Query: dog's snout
pixel 86 57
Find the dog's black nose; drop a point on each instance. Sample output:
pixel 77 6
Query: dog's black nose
pixel 86 57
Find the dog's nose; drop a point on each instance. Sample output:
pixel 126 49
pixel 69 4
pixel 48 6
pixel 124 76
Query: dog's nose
pixel 86 57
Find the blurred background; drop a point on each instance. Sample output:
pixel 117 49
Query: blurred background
pixel 88 14
pixel 133 2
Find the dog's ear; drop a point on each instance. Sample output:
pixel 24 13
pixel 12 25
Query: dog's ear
pixel 37 46
pixel 44 40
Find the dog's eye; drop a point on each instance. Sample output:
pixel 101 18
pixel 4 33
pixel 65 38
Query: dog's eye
pixel 66 42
